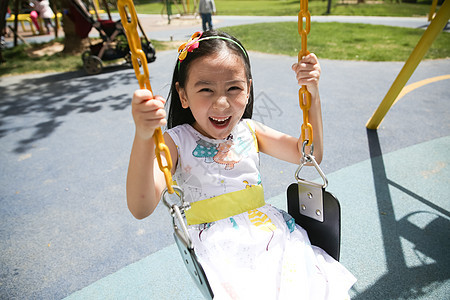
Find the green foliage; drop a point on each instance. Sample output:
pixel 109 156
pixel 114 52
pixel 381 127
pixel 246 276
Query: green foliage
pixel 18 61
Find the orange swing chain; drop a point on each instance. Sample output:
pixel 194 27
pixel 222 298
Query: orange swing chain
pixel 138 58
pixel 304 95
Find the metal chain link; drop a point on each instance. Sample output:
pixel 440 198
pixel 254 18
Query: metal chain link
pixel 304 96
pixel 138 58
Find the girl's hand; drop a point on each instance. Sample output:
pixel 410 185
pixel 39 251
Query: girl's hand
pixel 148 113
pixel 308 73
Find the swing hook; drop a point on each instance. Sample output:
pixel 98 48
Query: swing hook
pixel 177 213
pixel 310 194
pixel 305 143
pixel 309 158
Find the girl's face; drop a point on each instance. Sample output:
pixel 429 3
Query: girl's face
pixel 217 92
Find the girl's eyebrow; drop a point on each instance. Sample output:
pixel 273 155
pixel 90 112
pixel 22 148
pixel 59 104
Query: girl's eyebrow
pixel 204 82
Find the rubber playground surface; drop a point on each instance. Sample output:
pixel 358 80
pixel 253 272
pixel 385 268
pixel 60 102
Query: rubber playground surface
pixel 65 139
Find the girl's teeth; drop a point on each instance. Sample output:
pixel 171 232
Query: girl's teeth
pixel 220 120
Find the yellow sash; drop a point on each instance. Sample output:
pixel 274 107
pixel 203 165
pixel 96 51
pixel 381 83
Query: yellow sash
pixel 225 206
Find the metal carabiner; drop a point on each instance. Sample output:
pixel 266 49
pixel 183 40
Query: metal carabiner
pixel 310 194
pixel 177 213
pixel 309 158
pixel 305 143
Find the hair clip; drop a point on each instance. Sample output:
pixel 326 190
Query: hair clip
pixel 189 46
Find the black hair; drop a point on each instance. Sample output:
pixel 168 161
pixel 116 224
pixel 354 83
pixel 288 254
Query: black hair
pixel 179 115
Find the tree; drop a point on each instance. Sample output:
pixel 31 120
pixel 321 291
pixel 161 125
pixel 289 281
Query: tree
pixel 72 42
pixel 3 10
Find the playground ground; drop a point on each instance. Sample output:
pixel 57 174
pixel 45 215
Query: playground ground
pixel 65 138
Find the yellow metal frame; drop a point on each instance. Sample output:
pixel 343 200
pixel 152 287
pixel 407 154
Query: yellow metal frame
pixel 433 30
pixel 22 18
pixel 432 10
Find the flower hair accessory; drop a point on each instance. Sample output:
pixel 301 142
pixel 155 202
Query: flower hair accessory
pixel 189 46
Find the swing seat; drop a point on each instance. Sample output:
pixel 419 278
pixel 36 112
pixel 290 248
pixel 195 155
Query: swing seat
pixel 193 266
pixel 326 234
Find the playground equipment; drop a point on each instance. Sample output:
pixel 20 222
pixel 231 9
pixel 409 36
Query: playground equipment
pixel 185 8
pixel 316 210
pixel 25 18
pixel 430 34
pixel 313 208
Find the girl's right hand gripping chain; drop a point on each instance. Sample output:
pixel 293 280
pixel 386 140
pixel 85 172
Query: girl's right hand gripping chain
pixel 148 113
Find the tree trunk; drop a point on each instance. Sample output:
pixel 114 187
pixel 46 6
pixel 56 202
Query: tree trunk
pixel 73 44
pixel 3 10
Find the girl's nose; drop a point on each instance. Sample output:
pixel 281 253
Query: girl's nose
pixel 221 103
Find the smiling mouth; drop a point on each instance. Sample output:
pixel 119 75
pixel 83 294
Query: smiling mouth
pixel 220 122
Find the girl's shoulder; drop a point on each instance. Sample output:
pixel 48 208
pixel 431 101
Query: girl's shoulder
pixel 178 129
pixel 179 132
pixel 185 135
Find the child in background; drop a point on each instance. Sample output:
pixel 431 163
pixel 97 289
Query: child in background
pixel 248 249
pixel 206 8
pixel 42 7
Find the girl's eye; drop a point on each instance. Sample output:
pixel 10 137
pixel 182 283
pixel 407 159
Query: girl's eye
pixel 235 88
pixel 205 90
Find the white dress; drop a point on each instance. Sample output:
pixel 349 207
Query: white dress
pixel 258 252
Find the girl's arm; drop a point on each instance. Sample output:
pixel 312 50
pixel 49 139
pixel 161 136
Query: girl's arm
pixel 283 146
pixel 145 181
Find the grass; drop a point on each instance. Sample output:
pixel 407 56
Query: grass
pixel 340 41
pixel 18 60
pixel 291 8
pixel 326 40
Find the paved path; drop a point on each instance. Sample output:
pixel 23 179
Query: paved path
pixel 65 139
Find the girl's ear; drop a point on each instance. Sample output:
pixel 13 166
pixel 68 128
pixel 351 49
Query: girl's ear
pixel 182 94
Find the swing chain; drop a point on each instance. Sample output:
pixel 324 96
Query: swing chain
pixel 304 30
pixel 304 95
pixel 138 58
pixel 129 21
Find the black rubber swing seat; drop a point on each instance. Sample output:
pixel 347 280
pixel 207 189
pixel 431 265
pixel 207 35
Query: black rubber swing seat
pixel 326 234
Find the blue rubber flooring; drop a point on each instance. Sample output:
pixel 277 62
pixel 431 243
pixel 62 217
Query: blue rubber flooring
pixel 395 233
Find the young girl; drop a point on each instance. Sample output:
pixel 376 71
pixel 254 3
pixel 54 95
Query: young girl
pixel 248 249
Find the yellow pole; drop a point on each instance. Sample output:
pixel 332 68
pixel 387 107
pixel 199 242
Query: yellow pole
pixel 411 64
pixel 96 9
pixel 432 10
pixel 96 5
